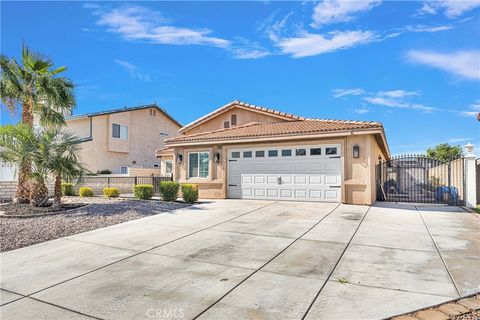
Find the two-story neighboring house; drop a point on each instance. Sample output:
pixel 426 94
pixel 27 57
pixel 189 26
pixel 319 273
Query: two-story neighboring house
pixel 115 140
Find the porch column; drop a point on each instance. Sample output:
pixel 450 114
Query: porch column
pixel 470 177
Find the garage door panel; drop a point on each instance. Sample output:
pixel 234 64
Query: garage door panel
pixel 272 193
pixel 332 180
pixel 300 179
pixel 315 194
pixel 331 194
pixel 314 180
pixel 301 193
pixel 259 179
pixel 286 179
pixel 247 192
pixel 247 178
pixel 331 166
pixel 259 192
pixel 286 193
pixel 315 166
pixel 272 179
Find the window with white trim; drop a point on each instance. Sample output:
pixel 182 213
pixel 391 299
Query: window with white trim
pixel 124 170
pixel 168 166
pixel 198 164
pixel 119 131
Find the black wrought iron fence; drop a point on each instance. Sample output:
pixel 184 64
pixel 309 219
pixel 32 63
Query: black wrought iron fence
pixel 420 179
pixel 124 184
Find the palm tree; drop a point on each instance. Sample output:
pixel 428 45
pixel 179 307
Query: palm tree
pixel 36 87
pixel 57 155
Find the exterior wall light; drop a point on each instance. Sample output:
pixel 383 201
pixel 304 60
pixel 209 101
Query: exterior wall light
pixel 217 157
pixel 356 151
pixel 179 158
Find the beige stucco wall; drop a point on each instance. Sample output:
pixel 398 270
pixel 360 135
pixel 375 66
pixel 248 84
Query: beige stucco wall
pixel 106 152
pixel 358 176
pixel 243 117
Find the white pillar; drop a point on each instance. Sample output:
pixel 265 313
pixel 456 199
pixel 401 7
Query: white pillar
pixel 470 177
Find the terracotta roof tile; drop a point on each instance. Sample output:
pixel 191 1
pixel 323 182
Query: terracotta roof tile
pixel 299 127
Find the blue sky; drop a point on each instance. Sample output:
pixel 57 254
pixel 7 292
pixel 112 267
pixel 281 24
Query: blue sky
pixel 414 66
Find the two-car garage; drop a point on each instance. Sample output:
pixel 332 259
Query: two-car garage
pixel 304 173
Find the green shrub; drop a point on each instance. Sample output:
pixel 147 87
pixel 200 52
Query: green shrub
pixel 67 189
pixel 111 192
pixel 85 192
pixel 190 192
pixel 143 191
pixel 106 171
pixel 169 190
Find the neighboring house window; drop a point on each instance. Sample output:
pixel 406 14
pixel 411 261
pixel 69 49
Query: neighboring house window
pixel 226 124
pixel 198 164
pixel 315 151
pixel 153 112
pixel 124 170
pixel 119 131
pixel 233 119
pixel 168 166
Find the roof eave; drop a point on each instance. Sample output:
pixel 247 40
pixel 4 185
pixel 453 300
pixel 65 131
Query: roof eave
pixel 277 138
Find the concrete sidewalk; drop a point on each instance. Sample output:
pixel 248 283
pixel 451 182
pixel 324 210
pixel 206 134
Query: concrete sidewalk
pixel 243 259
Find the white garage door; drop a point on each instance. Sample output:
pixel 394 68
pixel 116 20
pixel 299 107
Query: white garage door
pixel 311 173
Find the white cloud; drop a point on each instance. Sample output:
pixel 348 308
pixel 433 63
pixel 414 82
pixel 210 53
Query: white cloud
pixel 309 44
pixel 462 63
pixel 362 110
pixel 473 112
pixel 398 93
pixel 424 28
pixel 133 70
pixel 337 93
pixel 247 49
pixel 332 11
pixel 393 103
pixel 141 24
pixel 451 8
pixel 455 140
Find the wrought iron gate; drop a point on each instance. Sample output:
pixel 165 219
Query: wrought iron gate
pixel 417 178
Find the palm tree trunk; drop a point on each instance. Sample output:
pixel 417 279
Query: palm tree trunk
pixel 38 193
pixel 27 113
pixel 22 194
pixel 57 200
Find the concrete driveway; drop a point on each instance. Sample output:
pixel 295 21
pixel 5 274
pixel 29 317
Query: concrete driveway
pixel 235 259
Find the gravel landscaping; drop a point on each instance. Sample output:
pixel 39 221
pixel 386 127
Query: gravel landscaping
pixel 22 232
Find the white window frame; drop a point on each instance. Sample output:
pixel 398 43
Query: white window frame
pixel 123 167
pixel 198 167
pixel 125 131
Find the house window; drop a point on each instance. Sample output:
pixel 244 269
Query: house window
pixel 226 124
pixel 198 164
pixel 331 150
pixel 259 154
pixel 315 151
pixel 235 154
pixel 119 131
pixel 124 170
pixel 286 153
pixel 300 152
pixel 233 119
pixel 168 166
pixel 273 153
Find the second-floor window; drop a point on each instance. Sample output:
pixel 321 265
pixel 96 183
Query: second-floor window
pixel 233 119
pixel 119 131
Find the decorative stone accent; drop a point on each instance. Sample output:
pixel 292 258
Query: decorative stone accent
pixel 453 309
pixel 431 315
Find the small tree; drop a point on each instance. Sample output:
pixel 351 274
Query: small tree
pixel 57 156
pixel 444 152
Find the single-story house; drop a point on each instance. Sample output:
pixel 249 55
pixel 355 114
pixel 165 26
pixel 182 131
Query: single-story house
pixel 246 151
pixel 121 140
